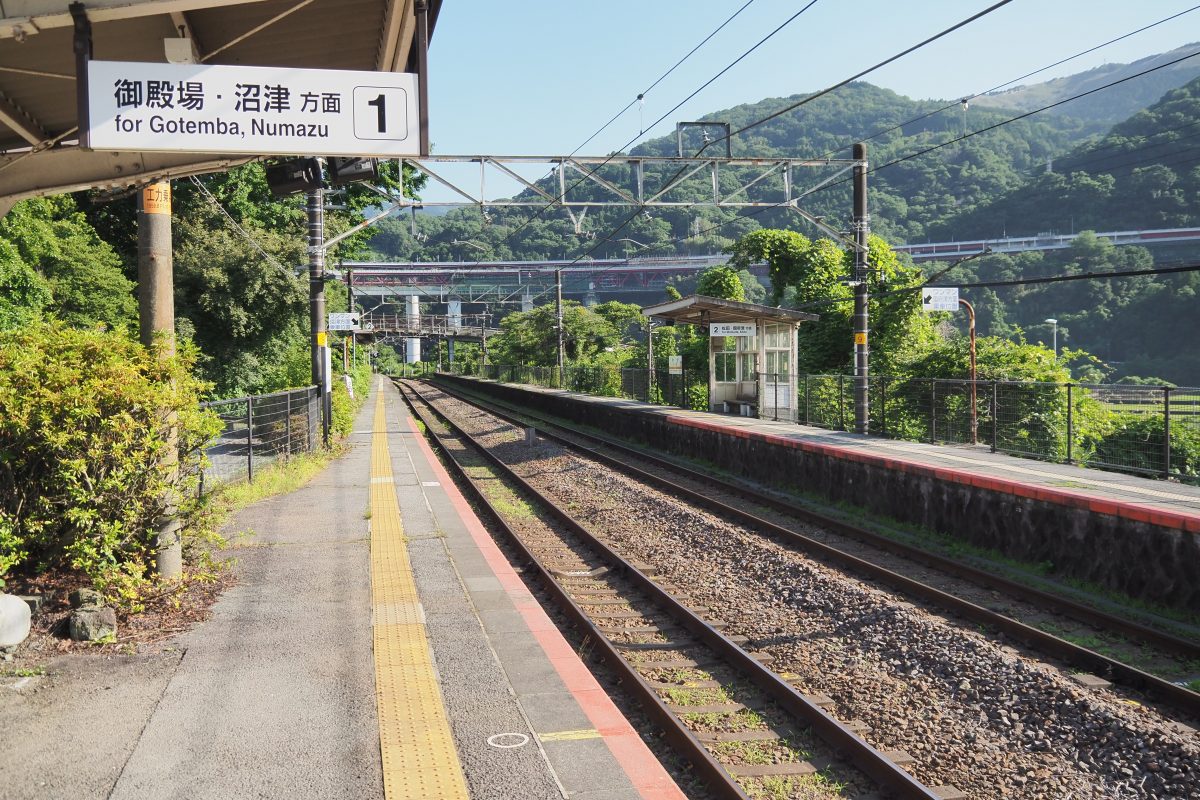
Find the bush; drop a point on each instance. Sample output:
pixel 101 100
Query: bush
pixel 1136 440
pixel 84 421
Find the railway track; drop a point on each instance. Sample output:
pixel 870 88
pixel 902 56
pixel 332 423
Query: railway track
pixel 966 708
pixel 719 496
pixel 742 727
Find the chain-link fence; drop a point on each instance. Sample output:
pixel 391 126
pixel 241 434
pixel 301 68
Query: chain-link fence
pixel 1152 430
pixel 260 430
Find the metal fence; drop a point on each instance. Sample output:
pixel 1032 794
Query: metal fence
pixel 258 431
pixel 1151 430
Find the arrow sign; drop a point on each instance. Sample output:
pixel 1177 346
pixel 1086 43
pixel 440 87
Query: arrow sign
pixel 939 299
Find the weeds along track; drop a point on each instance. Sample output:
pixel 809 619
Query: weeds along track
pixel 969 710
pixel 745 731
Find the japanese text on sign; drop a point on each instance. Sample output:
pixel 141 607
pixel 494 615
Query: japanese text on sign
pixel 731 329
pixel 250 110
pixel 939 299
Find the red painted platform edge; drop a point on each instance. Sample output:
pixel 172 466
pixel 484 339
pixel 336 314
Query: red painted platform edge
pixel 644 771
pixel 1110 507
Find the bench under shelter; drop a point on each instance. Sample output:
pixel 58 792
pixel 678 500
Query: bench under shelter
pixel 751 352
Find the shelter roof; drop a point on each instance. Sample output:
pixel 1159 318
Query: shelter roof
pixel 38 107
pixel 698 309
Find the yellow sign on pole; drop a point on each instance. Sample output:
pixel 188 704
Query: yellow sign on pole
pixel 156 198
pixel 860 338
pixel 322 338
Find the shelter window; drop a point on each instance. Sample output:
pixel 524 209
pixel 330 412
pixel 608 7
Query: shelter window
pixel 725 359
pixel 779 352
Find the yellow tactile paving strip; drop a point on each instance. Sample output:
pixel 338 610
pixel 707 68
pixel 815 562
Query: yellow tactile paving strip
pixel 419 759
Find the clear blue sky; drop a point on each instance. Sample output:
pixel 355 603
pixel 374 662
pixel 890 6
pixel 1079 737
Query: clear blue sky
pixel 539 76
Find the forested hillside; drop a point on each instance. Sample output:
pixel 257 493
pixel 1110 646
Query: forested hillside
pixel 1106 108
pixel 1142 174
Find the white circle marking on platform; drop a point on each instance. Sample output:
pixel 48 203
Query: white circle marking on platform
pixel 498 740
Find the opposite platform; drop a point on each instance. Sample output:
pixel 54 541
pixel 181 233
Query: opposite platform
pixel 1136 535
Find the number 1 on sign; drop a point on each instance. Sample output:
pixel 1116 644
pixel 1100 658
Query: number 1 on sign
pixel 380 103
pixel 381 112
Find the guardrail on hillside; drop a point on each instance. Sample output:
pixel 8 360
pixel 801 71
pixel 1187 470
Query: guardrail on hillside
pixel 1150 430
pixel 259 430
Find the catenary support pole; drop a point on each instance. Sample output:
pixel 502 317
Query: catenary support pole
pixel 862 228
pixel 558 319
pixel 156 320
pixel 316 299
pixel 353 310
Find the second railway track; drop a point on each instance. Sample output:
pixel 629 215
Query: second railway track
pixel 968 709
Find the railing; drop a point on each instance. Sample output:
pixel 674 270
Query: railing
pixel 1151 430
pixel 258 431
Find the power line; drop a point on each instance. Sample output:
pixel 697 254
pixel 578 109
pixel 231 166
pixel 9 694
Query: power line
pixel 1060 62
pixel 673 109
pixel 869 70
pixel 641 95
pixel 805 100
pixel 1025 115
pixel 764 209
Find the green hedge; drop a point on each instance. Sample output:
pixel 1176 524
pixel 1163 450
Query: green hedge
pixel 84 421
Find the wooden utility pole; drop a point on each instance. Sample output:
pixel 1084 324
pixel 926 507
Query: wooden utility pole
pixel 156 321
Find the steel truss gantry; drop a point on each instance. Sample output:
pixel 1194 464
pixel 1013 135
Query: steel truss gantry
pixel 652 182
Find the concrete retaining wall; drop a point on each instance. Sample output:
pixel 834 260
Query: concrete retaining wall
pixel 1159 563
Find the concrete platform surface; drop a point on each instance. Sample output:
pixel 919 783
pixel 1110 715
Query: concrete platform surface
pixel 275 695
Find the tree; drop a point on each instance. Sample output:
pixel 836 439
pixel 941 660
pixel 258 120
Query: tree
pixel 23 293
pixel 814 275
pixel 721 282
pixel 82 271
pixel 530 337
pixel 245 313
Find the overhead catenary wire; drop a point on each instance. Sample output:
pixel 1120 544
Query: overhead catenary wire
pixel 245 234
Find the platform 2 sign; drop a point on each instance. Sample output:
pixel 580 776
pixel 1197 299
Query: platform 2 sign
pixel 731 329
pixel 197 108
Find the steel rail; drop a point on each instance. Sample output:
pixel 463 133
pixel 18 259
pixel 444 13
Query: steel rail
pixel 681 738
pixel 1081 657
pixel 840 737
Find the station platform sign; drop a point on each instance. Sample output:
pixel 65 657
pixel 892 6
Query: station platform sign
pixel 137 106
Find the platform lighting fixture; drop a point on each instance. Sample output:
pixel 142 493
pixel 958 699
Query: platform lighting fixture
pixel 1054 322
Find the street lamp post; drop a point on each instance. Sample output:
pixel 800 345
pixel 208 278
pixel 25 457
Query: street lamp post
pixel 1054 322
pixel 974 399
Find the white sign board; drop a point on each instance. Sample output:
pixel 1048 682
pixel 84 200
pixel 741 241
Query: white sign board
pixel 197 108
pixel 675 365
pixel 939 299
pixel 731 329
pixel 343 322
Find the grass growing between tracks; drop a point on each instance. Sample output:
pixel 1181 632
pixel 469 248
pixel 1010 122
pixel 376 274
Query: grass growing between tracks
pixel 800 787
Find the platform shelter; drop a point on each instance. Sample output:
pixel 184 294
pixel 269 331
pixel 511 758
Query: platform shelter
pixel 751 352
